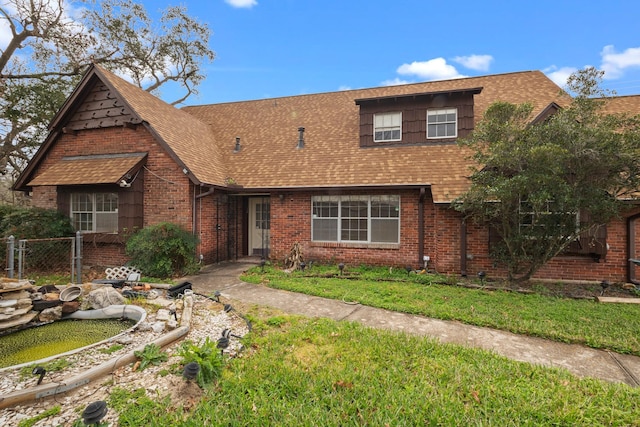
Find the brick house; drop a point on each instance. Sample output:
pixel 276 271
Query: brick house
pixel 361 176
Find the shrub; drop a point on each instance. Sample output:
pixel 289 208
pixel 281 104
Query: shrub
pixel 207 356
pixel 34 223
pixel 163 250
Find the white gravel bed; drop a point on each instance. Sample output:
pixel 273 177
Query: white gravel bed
pixel 208 320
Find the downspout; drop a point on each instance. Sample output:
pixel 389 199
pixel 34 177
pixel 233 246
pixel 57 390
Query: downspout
pixel 198 197
pixel 631 249
pixel 463 247
pixel 421 198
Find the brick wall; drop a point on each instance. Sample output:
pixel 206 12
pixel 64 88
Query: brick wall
pixel 168 194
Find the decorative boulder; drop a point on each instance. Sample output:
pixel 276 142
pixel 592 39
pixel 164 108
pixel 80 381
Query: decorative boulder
pixel 50 314
pixel 69 307
pixel 104 297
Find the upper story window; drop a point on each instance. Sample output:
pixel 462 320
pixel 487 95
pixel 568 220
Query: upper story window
pixel 442 123
pixel 387 127
pixel 95 212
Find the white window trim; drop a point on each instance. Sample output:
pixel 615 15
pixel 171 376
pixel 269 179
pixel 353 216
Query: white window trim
pixel 94 212
pixel 375 129
pixel 368 199
pixel 436 111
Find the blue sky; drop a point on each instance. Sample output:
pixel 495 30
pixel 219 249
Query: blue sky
pixel 272 48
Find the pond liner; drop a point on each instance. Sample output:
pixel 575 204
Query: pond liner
pixel 51 389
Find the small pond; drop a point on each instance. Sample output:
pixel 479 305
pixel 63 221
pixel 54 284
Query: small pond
pixel 48 340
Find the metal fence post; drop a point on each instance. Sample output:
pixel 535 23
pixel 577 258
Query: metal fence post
pixel 11 247
pixel 78 257
pixel 22 244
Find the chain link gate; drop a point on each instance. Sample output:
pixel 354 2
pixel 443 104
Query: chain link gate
pixel 62 255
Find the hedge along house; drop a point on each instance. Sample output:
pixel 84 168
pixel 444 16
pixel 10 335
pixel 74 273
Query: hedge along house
pixel 361 176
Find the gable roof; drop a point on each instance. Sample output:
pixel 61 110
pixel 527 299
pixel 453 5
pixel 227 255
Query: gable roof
pixel 188 140
pixel 332 156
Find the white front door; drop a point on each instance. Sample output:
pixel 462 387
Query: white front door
pixel 259 226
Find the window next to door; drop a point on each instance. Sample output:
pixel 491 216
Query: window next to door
pixel 95 212
pixel 358 219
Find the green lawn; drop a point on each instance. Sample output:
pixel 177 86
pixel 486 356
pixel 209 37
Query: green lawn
pixel 610 326
pixel 318 372
pixel 298 371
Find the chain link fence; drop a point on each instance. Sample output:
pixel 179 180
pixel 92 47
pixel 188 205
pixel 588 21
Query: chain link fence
pixel 33 257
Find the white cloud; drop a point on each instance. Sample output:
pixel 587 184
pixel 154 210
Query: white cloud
pixel 559 75
pixel 433 69
pixel 614 64
pixel 248 4
pixel 344 87
pixel 394 82
pixel 475 62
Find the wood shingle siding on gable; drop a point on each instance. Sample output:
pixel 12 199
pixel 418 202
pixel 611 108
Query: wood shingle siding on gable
pixel 414 117
pixel 101 109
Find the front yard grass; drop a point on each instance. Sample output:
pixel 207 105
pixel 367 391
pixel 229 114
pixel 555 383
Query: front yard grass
pixel 318 372
pixel 606 326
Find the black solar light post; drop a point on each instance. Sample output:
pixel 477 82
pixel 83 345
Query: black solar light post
pixel 95 412
pixel 39 370
pixel 409 269
pixel 341 268
pixel 481 276
pixel 191 371
pixel 216 296
pixel 604 284
pixel 262 263
pixel 302 266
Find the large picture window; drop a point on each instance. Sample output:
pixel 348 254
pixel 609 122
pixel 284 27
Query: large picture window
pixel 366 219
pixel 95 212
pixel 387 127
pixel 442 123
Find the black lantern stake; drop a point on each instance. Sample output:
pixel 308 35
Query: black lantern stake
pixel 303 265
pixel 604 284
pixel 191 371
pixel 341 268
pixel 94 412
pixel 481 276
pixel 409 269
pixel 262 263
pixel 39 370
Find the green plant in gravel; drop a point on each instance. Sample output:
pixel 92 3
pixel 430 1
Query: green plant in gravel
pixel 112 349
pixel 136 408
pixel 150 355
pixel 207 356
pixel 163 250
pixel 610 326
pixel 28 422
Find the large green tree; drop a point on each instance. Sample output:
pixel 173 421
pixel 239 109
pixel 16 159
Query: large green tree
pixel 540 186
pixel 45 46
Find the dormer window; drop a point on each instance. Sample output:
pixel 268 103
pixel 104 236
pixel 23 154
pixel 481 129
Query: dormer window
pixel 442 123
pixel 387 127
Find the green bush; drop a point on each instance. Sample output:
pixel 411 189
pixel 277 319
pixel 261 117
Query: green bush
pixel 33 223
pixel 163 250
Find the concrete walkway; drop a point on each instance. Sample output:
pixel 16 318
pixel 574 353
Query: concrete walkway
pixel 581 361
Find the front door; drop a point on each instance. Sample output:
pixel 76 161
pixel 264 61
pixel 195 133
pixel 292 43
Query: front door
pixel 259 226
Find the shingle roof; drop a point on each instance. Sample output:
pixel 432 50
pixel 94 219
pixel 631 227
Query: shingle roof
pixel 104 169
pixel 332 157
pixel 189 138
pixel 623 104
